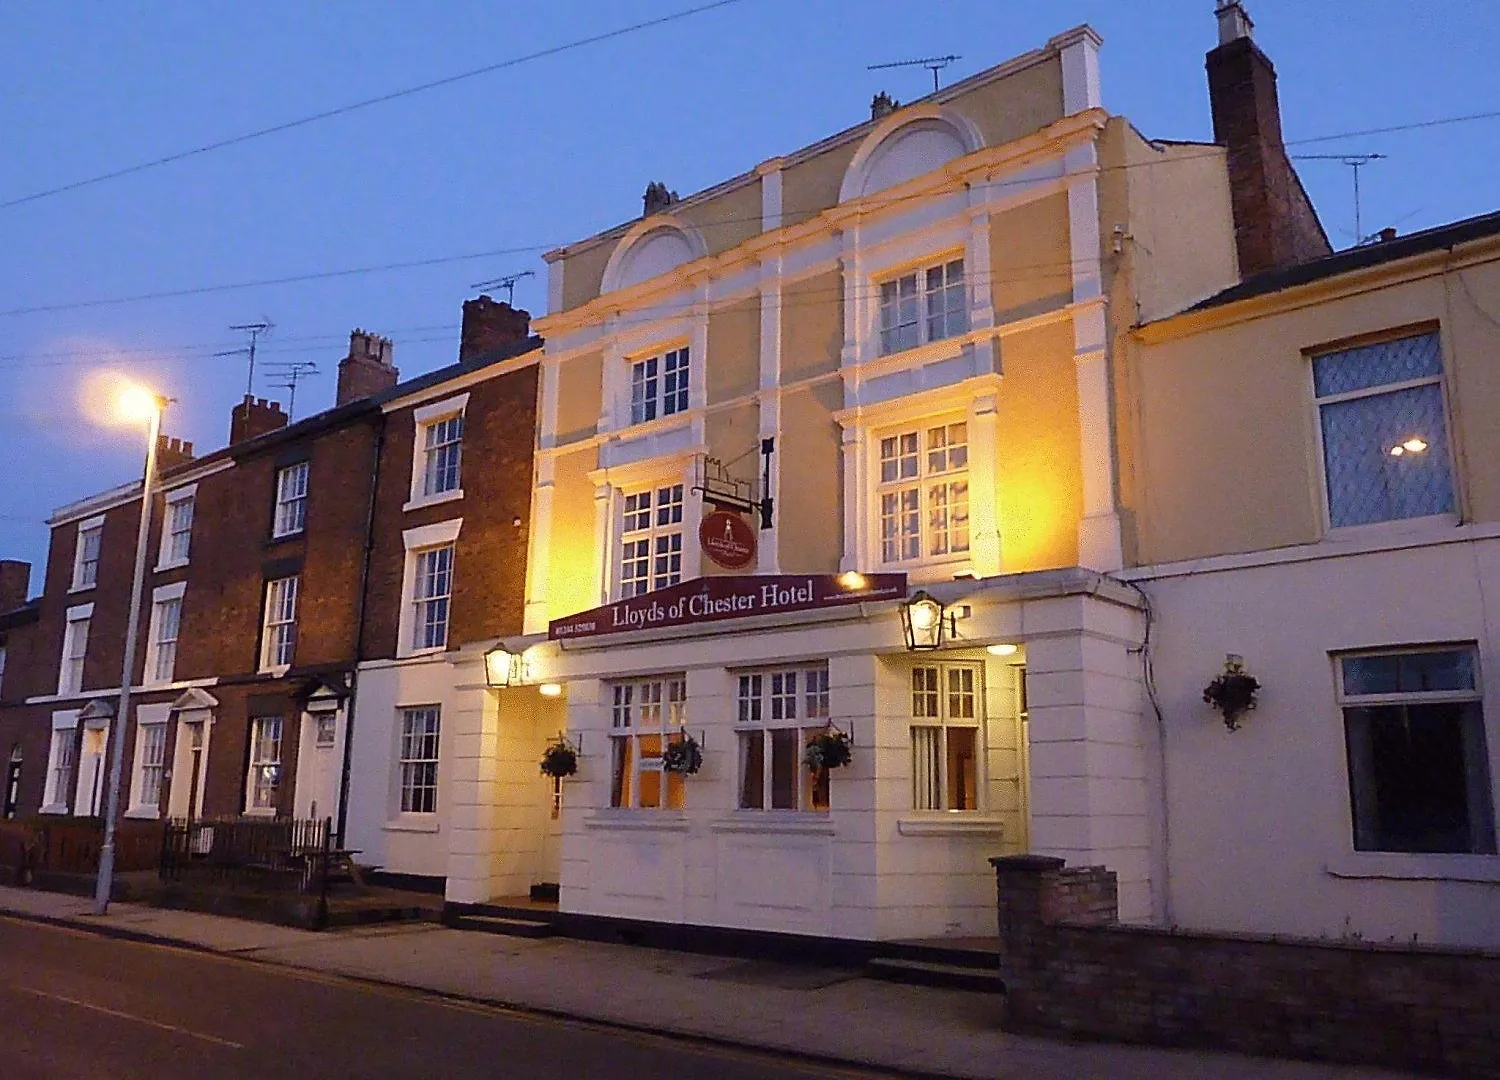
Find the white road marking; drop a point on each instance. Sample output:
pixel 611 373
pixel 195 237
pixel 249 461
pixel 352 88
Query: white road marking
pixel 131 1016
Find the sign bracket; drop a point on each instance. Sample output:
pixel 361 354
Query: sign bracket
pixel 726 492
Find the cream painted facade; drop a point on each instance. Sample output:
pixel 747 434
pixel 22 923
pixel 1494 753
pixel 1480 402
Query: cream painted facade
pixel 1039 213
pixel 1237 520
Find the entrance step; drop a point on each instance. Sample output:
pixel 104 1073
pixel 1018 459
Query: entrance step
pixel 950 976
pixel 510 925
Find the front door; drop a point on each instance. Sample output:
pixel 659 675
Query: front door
pixel 317 792
pixel 88 794
pixel 189 763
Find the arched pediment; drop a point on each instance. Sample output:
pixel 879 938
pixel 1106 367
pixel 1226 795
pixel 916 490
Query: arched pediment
pixel 654 247
pixel 908 144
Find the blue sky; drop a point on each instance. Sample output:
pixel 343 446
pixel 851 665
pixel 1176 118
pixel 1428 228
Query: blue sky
pixel 539 154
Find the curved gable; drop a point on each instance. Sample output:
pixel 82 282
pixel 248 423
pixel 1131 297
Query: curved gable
pixel 910 143
pixel 654 247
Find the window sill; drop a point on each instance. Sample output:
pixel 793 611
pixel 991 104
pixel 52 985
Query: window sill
pixel 417 654
pixel 645 820
pixel 951 823
pixel 413 823
pixel 1393 866
pixel 433 500
pixel 82 588
pixel 1432 524
pixel 142 813
pixel 281 538
pixel 791 822
pixel 54 808
pixel 173 564
pixel 261 812
pixel 275 672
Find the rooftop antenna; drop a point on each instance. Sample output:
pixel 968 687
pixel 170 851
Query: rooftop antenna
pixel 506 282
pixel 933 64
pixel 1355 163
pixel 255 329
pixel 291 372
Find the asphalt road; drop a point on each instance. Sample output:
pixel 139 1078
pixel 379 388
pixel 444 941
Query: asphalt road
pixel 74 1004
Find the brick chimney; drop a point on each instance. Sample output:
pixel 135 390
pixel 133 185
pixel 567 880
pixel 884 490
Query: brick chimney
pixel 657 198
pixel 171 453
pixel 1275 224
pixel 254 416
pixel 15 579
pixel 367 369
pixel 489 324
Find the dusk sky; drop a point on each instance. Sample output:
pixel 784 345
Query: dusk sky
pixel 525 158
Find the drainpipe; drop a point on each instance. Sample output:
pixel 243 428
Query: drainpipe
pixel 359 632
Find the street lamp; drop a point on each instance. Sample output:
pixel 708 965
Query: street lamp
pixel 134 405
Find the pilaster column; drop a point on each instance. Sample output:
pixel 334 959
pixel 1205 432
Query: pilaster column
pixel 473 779
pixel 984 490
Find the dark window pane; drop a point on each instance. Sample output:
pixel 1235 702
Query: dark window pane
pixel 962 769
pixel 752 771
pixel 786 750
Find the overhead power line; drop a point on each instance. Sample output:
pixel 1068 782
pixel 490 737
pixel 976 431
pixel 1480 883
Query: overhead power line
pixel 342 110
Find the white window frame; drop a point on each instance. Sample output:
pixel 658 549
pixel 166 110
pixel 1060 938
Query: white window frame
pixel 262 762
pixel 640 710
pixel 659 384
pixel 149 761
pixel 942 722
pixel 923 297
pixel 75 649
pixel 413 761
pixel 181 500
pixel 62 759
pixel 926 482
pixel 1440 380
pixel 1472 696
pixel 289 514
pixel 416 541
pixel 427 595
pixel 776 700
pixel 278 625
pixel 161 598
pixel 423 419
pixel 665 541
pixel 85 569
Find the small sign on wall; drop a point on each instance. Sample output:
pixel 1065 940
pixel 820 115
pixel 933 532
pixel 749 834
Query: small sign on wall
pixel 727 539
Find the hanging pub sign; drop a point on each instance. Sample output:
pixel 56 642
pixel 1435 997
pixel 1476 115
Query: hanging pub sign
pixel 711 599
pixel 727 539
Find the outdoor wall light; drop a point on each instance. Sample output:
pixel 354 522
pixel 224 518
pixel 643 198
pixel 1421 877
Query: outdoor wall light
pixel 501 667
pixel 1003 648
pixel 1414 445
pixel 551 689
pixel 923 622
pixel 852 580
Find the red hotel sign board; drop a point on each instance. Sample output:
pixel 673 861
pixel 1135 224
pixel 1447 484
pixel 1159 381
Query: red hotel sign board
pixel 711 599
pixel 727 539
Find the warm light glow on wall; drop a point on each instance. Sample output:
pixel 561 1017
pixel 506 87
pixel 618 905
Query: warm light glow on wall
pixel 852 580
pixel 551 689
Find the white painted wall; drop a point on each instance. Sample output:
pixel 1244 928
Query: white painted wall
pixel 1260 833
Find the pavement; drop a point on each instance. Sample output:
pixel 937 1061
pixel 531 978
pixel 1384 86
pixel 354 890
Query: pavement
pixel 816 1015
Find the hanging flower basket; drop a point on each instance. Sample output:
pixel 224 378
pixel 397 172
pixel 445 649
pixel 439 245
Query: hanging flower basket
pixel 831 749
pixel 682 755
pixel 1232 692
pixel 560 759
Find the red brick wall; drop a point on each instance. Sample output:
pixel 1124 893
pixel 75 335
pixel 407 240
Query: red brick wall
pixel 1068 968
pixel 490 555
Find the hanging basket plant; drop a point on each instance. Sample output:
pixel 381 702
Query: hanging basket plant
pixel 560 759
pixel 831 749
pixel 683 754
pixel 1232 692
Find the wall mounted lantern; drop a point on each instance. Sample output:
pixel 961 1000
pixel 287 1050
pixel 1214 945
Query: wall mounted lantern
pixel 501 667
pixel 923 622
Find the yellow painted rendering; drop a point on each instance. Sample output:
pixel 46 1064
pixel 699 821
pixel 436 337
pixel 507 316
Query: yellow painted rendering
pixel 583 273
pixel 728 220
pixel 1228 445
pixel 1031 267
pixel 810 186
pixel 809 511
pixel 1018 104
pixel 1038 470
pixel 734 439
pixel 578 387
pixel 812 326
pixel 572 576
pixel 733 363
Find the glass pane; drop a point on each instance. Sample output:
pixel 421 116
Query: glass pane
pixel 1411 783
pixel 1448 669
pixel 623 768
pixel 786 753
pixel 650 787
pixel 752 770
pixel 1377 365
pixel 925 768
pixel 1385 457
pixel 676 791
pixel 962 768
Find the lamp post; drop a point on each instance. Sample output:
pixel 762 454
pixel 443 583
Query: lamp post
pixel 135 404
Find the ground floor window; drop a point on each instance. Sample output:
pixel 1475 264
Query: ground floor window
pixel 419 759
pixel 265 763
pixel 947 733
pixel 1419 776
pixel 59 767
pixel 151 756
pixel 643 714
pixel 778 713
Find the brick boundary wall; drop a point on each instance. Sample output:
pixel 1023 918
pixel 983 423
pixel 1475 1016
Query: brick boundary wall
pixel 1070 968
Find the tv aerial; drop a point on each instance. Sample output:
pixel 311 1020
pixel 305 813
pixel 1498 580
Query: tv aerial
pixel 933 64
pixel 255 330
pixel 1355 163
pixel 506 282
pixel 291 372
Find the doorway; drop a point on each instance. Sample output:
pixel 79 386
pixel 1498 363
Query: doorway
pixel 12 784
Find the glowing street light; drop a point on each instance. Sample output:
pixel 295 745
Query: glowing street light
pixel 134 404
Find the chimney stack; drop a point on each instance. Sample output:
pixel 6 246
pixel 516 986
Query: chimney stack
pixel 254 416
pixel 882 105
pixel 15 579
pixel 657 198
pixel 171 453
pixel 1275 224
pixel 489 325
pixel 368 369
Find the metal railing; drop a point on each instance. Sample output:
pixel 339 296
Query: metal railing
pixel 278 855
